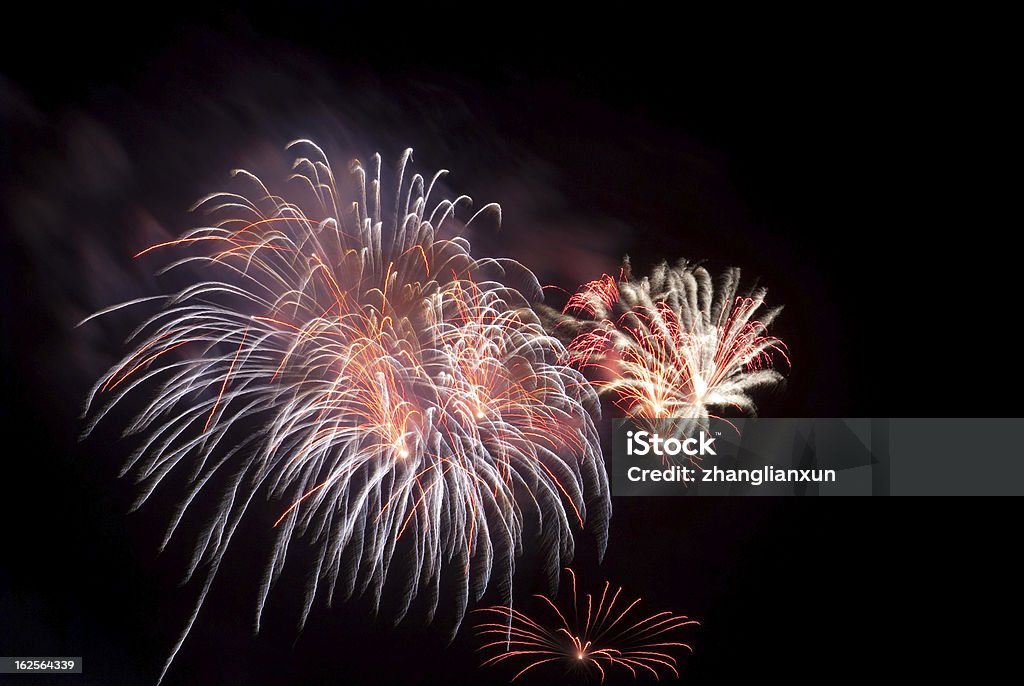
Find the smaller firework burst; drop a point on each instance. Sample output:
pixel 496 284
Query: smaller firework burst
pixel 673 345
pixel 591 636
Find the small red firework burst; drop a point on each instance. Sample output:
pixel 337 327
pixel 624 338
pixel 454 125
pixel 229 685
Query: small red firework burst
pixel 594 634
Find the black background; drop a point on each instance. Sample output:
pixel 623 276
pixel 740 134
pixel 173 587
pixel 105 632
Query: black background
pixel 851 163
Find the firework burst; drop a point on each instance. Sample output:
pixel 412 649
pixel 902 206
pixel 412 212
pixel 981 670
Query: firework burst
pixel 374 381
pixel 673 345
pixel 593 634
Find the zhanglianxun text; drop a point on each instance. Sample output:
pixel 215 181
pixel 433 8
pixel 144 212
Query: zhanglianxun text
pixel 754 477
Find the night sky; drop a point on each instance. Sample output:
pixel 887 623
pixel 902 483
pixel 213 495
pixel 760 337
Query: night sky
pixel 849 164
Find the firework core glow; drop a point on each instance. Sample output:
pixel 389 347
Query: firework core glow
pixel 396 400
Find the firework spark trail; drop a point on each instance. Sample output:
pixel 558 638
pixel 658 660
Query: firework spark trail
pixel 673 345
pixel 374 380
pixel 602 633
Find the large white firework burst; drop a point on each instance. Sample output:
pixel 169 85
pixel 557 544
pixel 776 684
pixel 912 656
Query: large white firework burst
pixel 388 393
pixel 673 345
